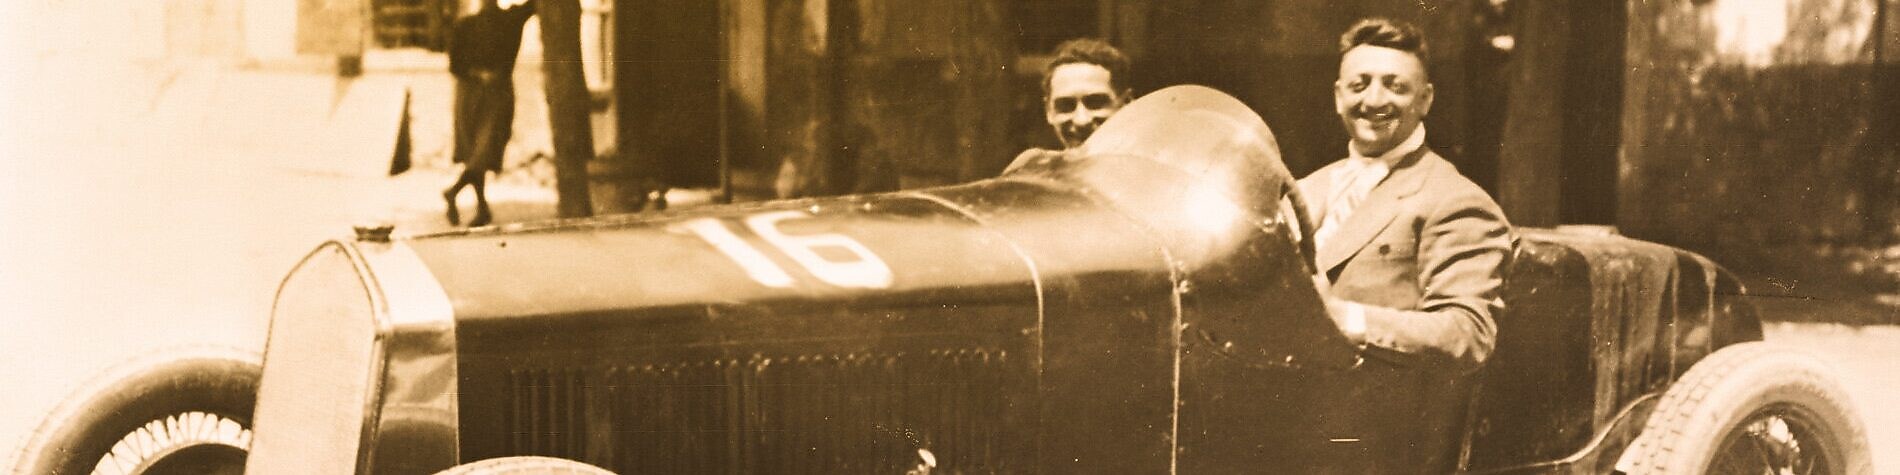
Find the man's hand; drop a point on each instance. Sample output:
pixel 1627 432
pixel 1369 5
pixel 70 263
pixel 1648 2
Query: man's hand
pixel 1349 316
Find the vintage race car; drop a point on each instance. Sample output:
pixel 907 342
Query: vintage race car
pixel 1140 305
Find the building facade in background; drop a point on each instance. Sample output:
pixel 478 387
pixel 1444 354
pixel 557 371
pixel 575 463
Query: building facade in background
pixel 1725 126
pixel 840 96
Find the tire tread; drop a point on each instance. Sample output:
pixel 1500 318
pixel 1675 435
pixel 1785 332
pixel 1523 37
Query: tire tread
pixel 1664 435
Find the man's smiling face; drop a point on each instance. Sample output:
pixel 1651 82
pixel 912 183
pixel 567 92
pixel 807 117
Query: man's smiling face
pixel 1081 97
pixel 1382 95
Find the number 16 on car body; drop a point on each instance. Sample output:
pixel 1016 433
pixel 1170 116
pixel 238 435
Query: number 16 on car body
pixel 859 267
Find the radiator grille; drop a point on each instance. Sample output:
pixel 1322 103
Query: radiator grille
pixel 319 369
pixel 813 413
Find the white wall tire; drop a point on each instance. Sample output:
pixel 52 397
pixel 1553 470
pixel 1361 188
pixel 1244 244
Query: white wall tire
pixel 184 410
pixel 1753 408
pixel 525 466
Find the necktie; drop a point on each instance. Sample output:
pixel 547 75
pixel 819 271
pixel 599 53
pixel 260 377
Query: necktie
pixel 1346 197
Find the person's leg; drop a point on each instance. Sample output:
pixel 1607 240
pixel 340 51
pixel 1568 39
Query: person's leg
pixel 480 182
pixel 455 190
pixel 492 139
pixel 465 121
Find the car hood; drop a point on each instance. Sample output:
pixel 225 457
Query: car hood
pixel 1188 170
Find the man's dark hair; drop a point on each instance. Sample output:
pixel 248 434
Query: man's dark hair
pixel 1387 33
pixel 1090 51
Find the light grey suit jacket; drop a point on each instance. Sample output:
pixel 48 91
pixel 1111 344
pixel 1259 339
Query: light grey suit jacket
pixel 1425 253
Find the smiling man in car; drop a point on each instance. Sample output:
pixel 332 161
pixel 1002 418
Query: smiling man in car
pixel 1084 85
pixel 1410 252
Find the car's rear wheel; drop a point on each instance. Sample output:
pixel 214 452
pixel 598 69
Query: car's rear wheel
pixel 182 411
pixel 1753 408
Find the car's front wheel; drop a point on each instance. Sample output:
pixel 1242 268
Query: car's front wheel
pixel 525 465
pixel 181 411
pixel 1753 408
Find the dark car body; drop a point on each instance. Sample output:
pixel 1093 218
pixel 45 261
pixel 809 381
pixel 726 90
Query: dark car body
pixel 1139 306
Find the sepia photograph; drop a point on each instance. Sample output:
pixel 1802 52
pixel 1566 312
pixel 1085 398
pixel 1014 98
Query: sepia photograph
pixel 917 237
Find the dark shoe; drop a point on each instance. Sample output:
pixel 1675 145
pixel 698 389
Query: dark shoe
pixel 481 218
pixel 455 215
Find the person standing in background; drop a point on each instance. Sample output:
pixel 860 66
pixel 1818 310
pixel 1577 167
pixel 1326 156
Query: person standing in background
pixel 482 52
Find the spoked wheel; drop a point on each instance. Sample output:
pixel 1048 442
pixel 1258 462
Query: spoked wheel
pixel 190 442
pixel 182 411
pixel 201 459
pixel 1779 440
pixel 1753 408
pixel 525 466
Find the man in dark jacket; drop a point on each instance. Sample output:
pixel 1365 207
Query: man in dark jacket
pixel 482 59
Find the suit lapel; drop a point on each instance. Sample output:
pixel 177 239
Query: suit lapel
pixel 1379 209
pixel 1316 188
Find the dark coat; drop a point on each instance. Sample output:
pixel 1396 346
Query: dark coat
pixel 482 59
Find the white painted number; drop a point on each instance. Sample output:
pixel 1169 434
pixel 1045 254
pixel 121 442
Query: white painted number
pixel 756 265
pixel 861 269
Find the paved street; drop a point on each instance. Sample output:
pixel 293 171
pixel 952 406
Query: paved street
pixel 146 205
pixel 1865 355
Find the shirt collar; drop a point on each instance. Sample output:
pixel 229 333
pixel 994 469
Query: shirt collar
pixel 1391 157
